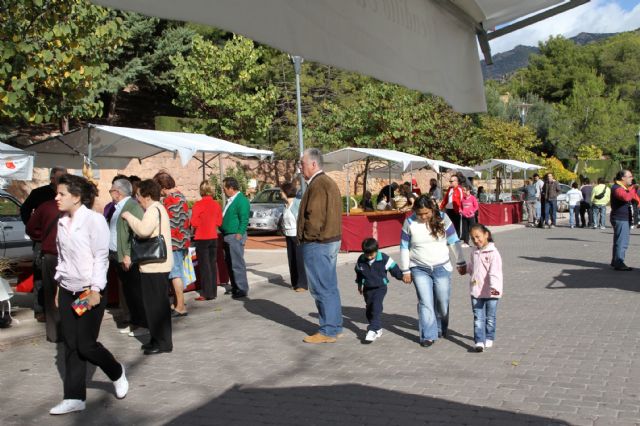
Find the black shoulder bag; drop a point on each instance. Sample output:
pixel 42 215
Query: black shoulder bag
pixel 149 250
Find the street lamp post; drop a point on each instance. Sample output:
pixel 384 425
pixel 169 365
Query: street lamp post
pixel 522 110
pixel 297 66
pixel 638 160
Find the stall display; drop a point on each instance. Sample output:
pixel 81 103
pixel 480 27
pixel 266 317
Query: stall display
pixel 383 226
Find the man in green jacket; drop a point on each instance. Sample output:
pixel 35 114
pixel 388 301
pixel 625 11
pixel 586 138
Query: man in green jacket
pixel 235 219
pixel 120 255
pixel 600 197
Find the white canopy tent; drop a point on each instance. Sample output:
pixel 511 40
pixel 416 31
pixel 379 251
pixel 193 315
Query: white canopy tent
pixel 109 147
pixel 397 162
pixel 509 166
pixel 441 165
pixel 15 163
pixel 428 45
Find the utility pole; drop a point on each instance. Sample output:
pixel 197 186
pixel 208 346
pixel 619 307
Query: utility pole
pixel 297 66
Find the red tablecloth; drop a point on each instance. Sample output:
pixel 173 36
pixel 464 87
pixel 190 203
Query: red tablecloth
pixel 500 213
pixel 384 227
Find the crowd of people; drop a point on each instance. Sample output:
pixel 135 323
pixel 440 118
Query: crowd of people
pixel 145 232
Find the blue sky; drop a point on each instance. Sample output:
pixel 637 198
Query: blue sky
pixel 597 16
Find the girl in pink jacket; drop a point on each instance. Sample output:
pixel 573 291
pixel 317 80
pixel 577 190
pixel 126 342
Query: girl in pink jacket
pixel 467 213
pixel 485 269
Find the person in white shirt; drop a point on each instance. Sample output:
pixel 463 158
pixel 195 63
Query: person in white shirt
pixel 83 259
pixel 539 183
pixel 424 260
pixel 297 273
pixel 574 196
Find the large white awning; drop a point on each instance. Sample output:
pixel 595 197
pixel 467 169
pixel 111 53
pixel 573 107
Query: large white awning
pixel 15 163
pixel 109 147
pixel 427 45
pixel 510 165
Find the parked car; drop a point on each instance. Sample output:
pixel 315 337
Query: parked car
pixel 563 202
pixel 14 242
pixel 266 208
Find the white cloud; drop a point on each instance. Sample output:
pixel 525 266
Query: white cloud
pixel 597 16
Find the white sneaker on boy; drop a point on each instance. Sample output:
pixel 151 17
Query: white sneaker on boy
pixel 68 406
pixel 479 347
pixel 372 335
pixel 488 344
pixel 121 385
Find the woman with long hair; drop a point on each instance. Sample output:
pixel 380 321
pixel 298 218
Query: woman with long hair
pixel 83 259
pixel 424 260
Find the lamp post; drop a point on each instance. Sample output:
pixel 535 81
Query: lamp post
pixel 638 160
pixel 297 66
pixel 522 110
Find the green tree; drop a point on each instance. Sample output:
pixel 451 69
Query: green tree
pixel 619 63
pixel 590 116
pixel 53 59
pixel 506 139
pixel 226 86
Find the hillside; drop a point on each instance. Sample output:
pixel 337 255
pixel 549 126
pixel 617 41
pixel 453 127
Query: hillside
pixel 505 63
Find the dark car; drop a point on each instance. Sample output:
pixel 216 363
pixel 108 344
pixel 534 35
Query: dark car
pixel 14 242
pixel 266 208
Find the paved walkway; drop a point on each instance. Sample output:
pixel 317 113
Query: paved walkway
pixel 566 353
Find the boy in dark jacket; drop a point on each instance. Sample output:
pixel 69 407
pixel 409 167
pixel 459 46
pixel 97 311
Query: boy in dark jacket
pixel 371 277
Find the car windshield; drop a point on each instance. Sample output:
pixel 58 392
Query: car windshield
pixel 264 197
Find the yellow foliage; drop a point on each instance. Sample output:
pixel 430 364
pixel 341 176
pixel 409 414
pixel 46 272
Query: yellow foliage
pixel 555 166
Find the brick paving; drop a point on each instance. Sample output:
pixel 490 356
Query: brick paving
pixel 567 346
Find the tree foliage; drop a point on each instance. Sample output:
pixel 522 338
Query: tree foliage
pixel 53 58
pixel 226 86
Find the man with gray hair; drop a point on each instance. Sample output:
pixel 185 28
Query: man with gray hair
pixel 120 236
pixel 319 232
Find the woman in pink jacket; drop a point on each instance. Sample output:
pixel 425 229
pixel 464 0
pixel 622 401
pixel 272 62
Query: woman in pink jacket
pixel 486 286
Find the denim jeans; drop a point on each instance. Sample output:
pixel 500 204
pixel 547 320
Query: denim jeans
pixel 433 287
pixel 621 230
pixel 599 216
pixel 574 215
pixel 538 210
pixel 236 266
pixel 484 319
pixel 320 265
pixel 550 210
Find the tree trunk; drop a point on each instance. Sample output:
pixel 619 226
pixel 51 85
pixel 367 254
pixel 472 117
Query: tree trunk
pixel 111 113
pixel 64 124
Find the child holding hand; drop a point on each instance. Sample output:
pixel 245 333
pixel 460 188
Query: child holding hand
pixel 371 277
pixel 485 285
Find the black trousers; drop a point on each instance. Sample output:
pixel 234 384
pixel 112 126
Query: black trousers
pixel 585 208
pixel 80 335
pixel 296 263
pixel 206 251
pixel 155 295
pixel 455 218
pixel 132 291
pixel 467 223
pixel 49 286
pixel 374 297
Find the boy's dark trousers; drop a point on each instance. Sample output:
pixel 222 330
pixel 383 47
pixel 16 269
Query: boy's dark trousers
pixel 373 298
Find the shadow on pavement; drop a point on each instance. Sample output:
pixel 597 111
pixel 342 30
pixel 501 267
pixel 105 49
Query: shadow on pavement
pixel 565 261
pixel 271 277
pixel 282 315
pixel 344 404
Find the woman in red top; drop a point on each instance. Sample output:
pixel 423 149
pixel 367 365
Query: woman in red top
pixel 206 216
pixel 452 202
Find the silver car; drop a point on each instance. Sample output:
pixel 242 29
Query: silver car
pixel 14 242
pixel 266 208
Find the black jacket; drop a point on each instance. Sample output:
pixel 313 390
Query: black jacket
pixel 375 274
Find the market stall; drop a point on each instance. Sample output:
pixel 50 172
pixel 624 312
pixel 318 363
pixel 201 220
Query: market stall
pixel 506 210
pixel 15 163
pixel 383 226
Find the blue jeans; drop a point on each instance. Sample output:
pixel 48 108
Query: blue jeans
pixel 374 297
pixel 320 265
pixel 484 319
pixel 236 266
pixel 621 230
pixel 599 216
pixel 538 210
pixel 433 287
pixel 574 215
pixel 550 210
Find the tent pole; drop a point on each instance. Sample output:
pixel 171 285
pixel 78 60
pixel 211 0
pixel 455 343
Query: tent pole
pixel 348 169
pixel 489 181
pixel 203 174
pixel 224 197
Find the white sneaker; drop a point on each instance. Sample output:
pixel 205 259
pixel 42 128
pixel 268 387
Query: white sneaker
pixel 68 406
pixel 372 335
pixel 603 227
pixel 139 332
pixel 121 385
pixel 488 344
pixel 479 347
pixel 125 330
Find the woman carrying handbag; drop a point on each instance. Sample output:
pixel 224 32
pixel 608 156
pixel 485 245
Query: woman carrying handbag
pixel 154 271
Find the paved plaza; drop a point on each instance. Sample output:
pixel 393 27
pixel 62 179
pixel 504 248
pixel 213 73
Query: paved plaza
pixel 567 352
